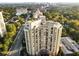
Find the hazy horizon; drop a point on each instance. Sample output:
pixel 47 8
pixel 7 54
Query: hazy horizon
pixel 40 1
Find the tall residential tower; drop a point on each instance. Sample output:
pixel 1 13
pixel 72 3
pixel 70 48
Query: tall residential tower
pixel 42 34
pixel 2 25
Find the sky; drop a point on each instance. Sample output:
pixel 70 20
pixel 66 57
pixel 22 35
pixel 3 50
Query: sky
pixel 50 1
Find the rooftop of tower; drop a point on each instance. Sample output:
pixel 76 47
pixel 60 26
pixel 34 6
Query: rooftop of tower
pixel 57 24
pixel 32 23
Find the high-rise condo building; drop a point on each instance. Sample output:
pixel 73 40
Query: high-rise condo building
pixel 41 34
pixel 2 25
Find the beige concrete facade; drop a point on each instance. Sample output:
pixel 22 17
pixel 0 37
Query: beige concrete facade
pixel 42 34
pixel 37 13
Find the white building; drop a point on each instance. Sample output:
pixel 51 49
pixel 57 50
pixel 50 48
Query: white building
pixel 2 25
pixel 42 34
pixel 20 11
pixel 37 13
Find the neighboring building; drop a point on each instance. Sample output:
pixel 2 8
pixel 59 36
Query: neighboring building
pixel 42 34
pixel 37 13
pixel 20 11
pixel 69 46
pixel 2 25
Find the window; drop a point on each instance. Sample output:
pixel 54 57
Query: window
pixel 36 37
pixel 51 38
pixel 41 23
pixel 46 33
pixel 52 30
pixel 46 42
pixel 36 31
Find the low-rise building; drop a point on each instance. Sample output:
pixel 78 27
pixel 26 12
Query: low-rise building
pixel 69 46
pixel 20 11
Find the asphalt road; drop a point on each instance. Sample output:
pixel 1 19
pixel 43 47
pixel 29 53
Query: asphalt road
pixel 17 45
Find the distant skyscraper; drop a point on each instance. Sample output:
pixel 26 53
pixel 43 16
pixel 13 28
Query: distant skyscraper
pixel 42 34
pixel 2 25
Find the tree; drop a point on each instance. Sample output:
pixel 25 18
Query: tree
pixel 23 15
pixel 0 45
pixel 64 32
pixel 17 24
pixel 6 45
pixel 21 20
pixel 8 13
pixel 11 30
pixel 10 27
pixel 76 53
pixel 43 52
